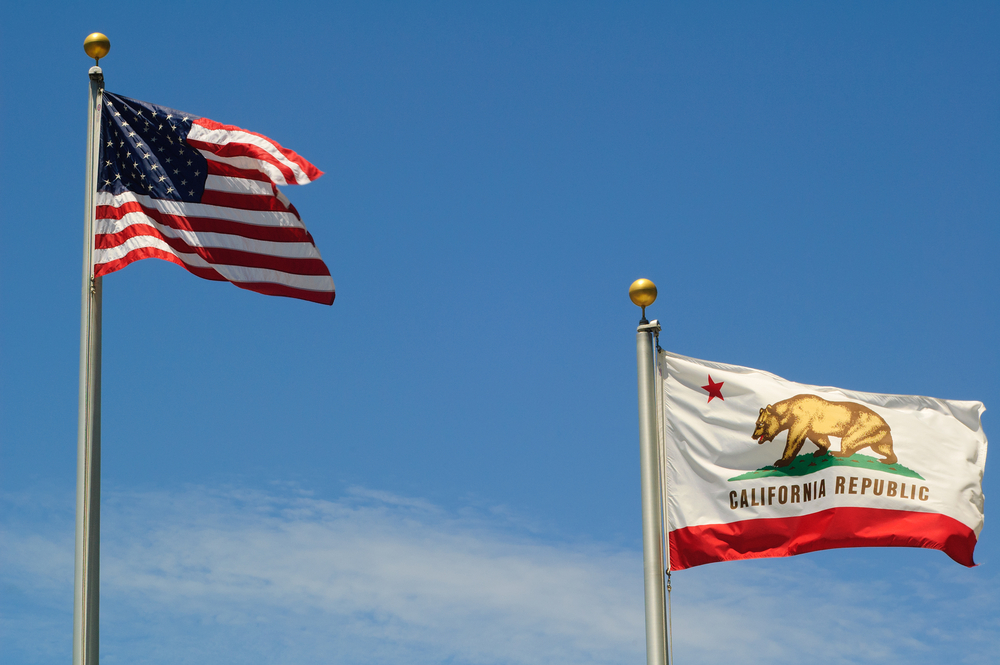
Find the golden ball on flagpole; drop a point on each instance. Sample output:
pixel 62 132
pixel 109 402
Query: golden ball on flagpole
pixel 97 46
pixel 642 292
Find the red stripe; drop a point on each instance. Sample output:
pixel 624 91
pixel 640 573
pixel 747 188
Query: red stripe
pixel 827 529
pixel 272 289
pixel 266 288
pixel 208 224
pixel 223 169
pixel 216 255
pixel 267 202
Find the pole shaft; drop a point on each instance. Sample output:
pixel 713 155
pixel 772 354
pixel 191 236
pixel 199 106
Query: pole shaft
pixel 652 535
pixel 86 596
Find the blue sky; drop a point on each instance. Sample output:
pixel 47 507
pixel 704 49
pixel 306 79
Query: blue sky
pixel 443 466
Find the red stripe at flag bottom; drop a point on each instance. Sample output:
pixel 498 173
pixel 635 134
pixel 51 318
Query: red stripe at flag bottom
pixel 826 529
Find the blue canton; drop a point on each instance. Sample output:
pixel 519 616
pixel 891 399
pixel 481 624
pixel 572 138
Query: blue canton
pixel 144 150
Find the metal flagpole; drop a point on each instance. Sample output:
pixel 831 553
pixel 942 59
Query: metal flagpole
pixel 86 594
pixel 643 293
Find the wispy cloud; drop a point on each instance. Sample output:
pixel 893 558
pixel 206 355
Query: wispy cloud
pixel 371 578
pixel 283 577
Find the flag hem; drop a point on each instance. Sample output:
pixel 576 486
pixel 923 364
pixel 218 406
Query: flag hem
pixel 826 529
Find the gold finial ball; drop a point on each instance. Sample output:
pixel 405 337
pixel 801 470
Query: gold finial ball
pixel 642 292
pixel 96 45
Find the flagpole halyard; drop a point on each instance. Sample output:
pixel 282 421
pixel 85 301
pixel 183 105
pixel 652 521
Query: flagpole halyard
pixel 661 450
pixel 86 596
pixel 643 293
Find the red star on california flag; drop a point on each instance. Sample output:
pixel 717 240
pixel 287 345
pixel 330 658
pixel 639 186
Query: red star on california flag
pixel 714 389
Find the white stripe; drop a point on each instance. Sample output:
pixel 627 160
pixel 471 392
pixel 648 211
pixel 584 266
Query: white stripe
pixel 231 273
pixel 291 250
pixel 225 137
pixel 185 209
pixel 221 183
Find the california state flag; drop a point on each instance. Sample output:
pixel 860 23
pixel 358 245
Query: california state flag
pixel 758 466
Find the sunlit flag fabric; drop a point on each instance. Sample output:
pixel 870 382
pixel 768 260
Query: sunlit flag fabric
pixel 758 466
pixel 203 195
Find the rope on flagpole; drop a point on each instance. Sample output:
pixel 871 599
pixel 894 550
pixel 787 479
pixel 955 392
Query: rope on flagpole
pixel 670 622
pixel 661 441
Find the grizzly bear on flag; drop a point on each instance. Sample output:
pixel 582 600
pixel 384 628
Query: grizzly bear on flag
pixel 814 418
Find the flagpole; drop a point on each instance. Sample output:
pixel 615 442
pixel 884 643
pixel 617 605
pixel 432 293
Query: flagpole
pixel 643 293
pixel 86 592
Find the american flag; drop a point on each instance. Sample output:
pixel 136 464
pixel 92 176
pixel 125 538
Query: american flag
pixel 203 195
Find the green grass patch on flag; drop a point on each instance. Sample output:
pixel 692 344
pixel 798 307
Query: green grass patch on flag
pixel 805 464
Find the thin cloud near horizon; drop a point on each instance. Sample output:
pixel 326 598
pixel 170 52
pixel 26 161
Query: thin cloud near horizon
pixel 375 577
